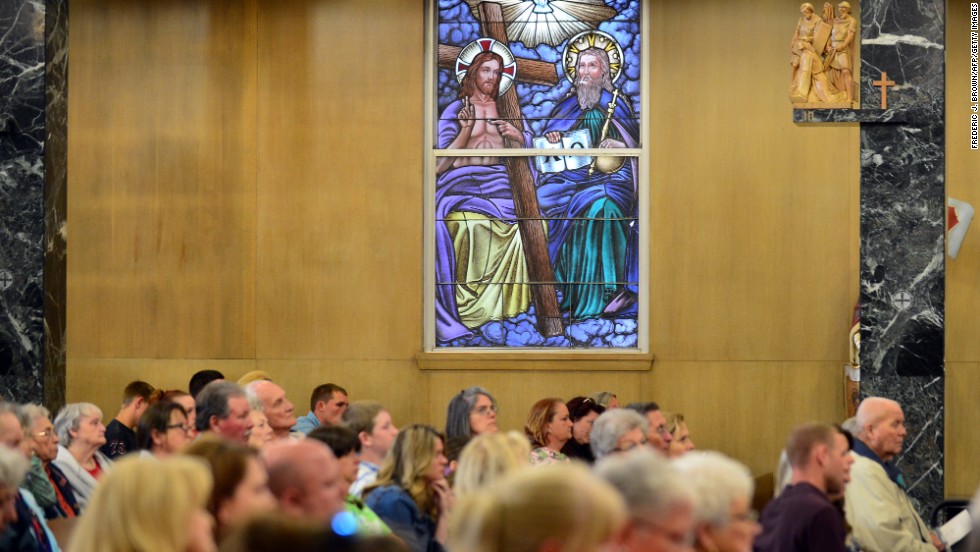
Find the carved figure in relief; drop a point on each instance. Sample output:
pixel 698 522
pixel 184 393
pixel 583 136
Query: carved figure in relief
pixel 810 81
pixel 480 265
pixel 840 55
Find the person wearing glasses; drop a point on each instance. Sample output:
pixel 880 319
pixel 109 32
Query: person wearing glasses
pixel 59 501
pixel 658 434
pixel 472 412
pixel 163 430
pixel 80 434
pixel 618 430
pixel 661 506
pixel 723 516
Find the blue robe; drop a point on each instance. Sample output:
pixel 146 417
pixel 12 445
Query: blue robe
pixel 594 258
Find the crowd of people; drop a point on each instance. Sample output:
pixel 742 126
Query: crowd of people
pixel 228 465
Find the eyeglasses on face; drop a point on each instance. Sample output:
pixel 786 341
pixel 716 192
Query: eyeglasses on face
pixel 45 434
pixel 486 410
pixel 182 427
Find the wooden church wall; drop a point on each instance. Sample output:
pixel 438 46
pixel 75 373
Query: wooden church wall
pixel 246 192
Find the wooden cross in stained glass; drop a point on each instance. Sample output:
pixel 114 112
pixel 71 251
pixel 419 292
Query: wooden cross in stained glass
pixel 519 173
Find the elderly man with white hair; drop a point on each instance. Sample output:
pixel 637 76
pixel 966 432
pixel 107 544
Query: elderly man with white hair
pixel 617 430
pixel 276 407
pixel 660 504
pixel 878 508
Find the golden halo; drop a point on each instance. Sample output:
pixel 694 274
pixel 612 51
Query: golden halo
pixel 592 39
pixel 507 73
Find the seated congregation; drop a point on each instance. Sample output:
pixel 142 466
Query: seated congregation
pixel 230 466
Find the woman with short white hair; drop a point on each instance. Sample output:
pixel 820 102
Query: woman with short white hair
pixel 80 434
pixel 617 430
pixel 659 500
pixel 722 488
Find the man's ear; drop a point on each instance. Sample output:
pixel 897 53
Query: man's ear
pixel 365 438
pixel 820 453
pixel 291 501
pixel 319 406
pixel 213 422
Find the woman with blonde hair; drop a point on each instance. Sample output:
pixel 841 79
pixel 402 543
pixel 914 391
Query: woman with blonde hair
pixel 148 505
pixel 488 458
pixel 559 508
pixel 548 427
pixel 411 494
pixel 680 442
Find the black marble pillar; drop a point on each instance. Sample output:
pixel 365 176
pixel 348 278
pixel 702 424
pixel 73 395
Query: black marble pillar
pixel 25 201
pixel 903 222
pixel 55 200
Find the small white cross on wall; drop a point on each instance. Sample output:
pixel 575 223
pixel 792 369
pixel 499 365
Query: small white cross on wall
pixel 6 279
pixel 902 300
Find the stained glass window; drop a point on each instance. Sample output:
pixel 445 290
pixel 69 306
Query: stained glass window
pixel 535 156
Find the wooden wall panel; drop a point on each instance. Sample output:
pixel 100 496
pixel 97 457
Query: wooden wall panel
pixel 517 391
pixel 962 442
pixel 340 179
pixel 746 409
pixel 161 180
pixel 395 383
pixel 963 183
pixel 754 228
pixel 246 192
pixel 101 381
pixel 962 274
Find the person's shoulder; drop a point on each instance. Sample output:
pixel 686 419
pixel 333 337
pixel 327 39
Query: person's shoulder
pixel 866 467
pixel 387 494
pixel 64 457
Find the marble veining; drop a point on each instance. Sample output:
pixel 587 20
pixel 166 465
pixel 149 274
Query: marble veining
pixel 22 132
pixel 903 211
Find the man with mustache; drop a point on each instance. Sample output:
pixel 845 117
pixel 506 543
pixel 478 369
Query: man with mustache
pixel 592 235
pixel 478 245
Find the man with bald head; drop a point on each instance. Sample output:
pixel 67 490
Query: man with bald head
pixel 305 478
pixel 275 406
pixel 878 508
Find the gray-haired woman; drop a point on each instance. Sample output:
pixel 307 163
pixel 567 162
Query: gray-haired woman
pixel 80 434
pixel 471 412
